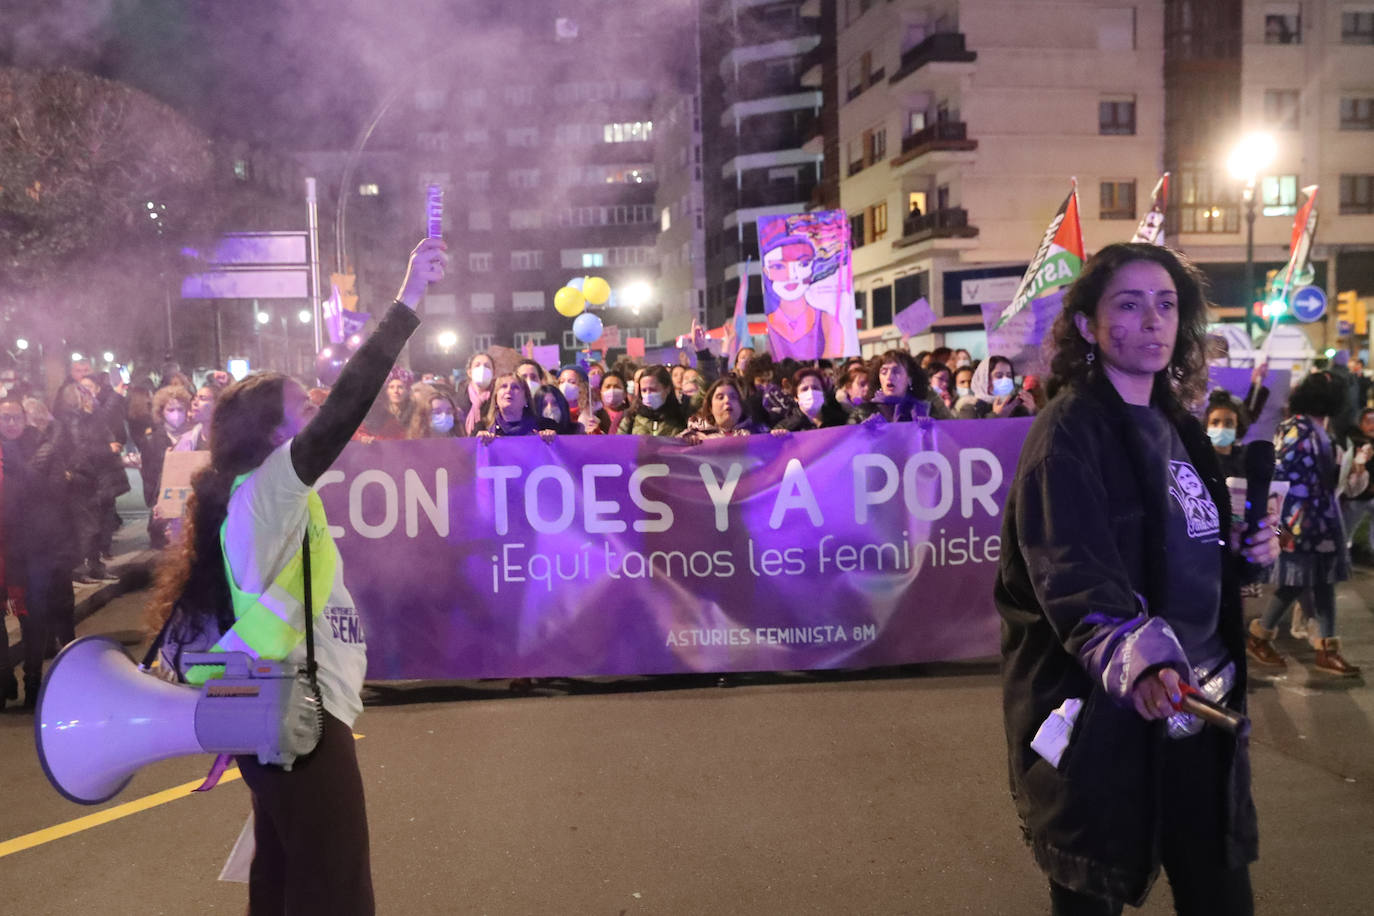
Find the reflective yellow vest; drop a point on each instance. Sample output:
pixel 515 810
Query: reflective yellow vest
pixel 263 625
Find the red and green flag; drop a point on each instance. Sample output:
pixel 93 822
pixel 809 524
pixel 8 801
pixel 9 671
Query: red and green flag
pixel 1057 263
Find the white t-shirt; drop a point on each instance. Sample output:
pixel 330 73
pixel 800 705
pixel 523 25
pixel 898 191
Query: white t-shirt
pixel 263 531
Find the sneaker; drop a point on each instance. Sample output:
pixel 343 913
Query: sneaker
pixel 1262 652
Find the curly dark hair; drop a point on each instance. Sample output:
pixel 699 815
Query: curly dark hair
pixel 1221 399
pixel 1186 374
pixel 1321 394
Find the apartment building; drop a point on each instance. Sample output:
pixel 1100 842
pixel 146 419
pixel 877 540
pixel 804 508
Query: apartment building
pixel 961 123
pixel 762 136
pixel 681 285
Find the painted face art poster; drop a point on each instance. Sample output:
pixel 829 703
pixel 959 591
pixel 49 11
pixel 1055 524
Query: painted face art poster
pixel 808 285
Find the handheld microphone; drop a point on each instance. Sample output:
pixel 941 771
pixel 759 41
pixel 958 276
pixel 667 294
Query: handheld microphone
pixel 1259 473
pixel 1194 703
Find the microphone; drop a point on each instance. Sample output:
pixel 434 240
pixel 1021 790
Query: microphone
pixel 1194 703
pixel 1258 458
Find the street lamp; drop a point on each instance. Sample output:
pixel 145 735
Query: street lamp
pixel 107 356
pixel 448 340
pixel 304 316
pixel 1250 156
pixel 22 344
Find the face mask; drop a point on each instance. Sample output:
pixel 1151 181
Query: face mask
pixel 613 397
pixel 554 414
pixel 569 391
pixel 441 422
pixel 481 376
pixel 963 392
pixel 1221 436
pixel 962 363
pixel 632 387
pixel 174 419
pixel 1003 387
pixel 533 385
pixel 653 399
pixel 810 401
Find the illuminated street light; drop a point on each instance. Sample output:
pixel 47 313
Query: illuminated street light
pixel 263 318
pixel 304 316
pixel 107 356
pixel 448 340
pixel 637 294
pixel 1250 157
pixel 77 356
pixel 22 344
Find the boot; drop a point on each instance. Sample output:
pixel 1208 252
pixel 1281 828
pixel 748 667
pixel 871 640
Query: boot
pixel 1329 659
pixel 1259 645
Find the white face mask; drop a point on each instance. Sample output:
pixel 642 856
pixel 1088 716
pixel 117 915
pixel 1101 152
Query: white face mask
pixel 631 387
pixel 441 422
pixel 570 392
pixel 1002 387
pixel 481 376
pixel 533 385
pixel 810 401
pixel 963 392
pixel 653 399
pixel 962 362
pixel 552 413
pixel 613 397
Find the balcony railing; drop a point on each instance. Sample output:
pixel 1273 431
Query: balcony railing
pixel 942 47
pixel 948 223
pixel 772 195
pixel 942 136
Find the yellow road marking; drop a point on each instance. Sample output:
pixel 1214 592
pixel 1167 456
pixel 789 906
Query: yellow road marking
pixel 60 831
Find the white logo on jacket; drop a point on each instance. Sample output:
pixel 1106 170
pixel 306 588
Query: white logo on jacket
pixel 1192 496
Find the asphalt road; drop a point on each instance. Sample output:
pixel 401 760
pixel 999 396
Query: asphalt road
pixel 788 794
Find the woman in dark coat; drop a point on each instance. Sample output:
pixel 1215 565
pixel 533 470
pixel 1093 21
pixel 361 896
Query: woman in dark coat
pixel 97 474
pixel 1119 585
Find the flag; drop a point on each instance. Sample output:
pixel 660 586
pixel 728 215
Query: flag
pixel 741 320
pixel 353 323
pixel 1057 263
pixel 1151 228
pixel 332 310
pixel 1299 266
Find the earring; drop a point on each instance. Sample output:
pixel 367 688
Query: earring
pixel 1090 357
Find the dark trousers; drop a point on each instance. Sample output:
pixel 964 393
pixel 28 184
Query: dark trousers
pixel 52 616
pixel 310 828
pixel 1192 839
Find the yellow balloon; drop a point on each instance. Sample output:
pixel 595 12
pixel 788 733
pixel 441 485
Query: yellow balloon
pixel 596 290
pixel 569 301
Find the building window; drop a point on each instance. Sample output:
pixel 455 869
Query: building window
pixel 877 219
pixel 432 141
pixel 429 99
pixel 570 342
pixel 473 98
pixel 857 222
pixel 1116 29
pixel 482 302
pixel 519 95
pixel 1357 194
pixel 529 301
pixel 479 220
pixel 523 178
pixel 479 261
pixel 1357 113
pixel 593 259
pixel 522 136
pixel 369 189
pixel 440 304
pixel 476 136
pixel 526 260
pixel 1279 195
pixel 1283 24
pixel 1357 27
pixel 241 169
pixel 665 221
pixel 1281 108
pixel 1206 205
pixel 442 179
pixel 481 343
pixel 528 337
pixel 477 181
pixel 526 219
pixel 1116 115
pixel 915 203
pixel 627 132
pixel 1118 200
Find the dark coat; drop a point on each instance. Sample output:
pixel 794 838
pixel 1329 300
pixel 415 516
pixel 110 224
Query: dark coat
pixel 832 414
pixel 1083 565
pixel 94 467
pixel 904 411
pixel 36 508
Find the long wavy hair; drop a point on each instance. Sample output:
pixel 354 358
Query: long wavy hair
pixel 191 576
pixel 1185 376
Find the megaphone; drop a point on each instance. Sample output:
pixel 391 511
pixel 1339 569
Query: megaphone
pixel 100 718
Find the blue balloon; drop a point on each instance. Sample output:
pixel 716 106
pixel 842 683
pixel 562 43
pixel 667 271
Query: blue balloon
pixel 576 283
pixel 586 327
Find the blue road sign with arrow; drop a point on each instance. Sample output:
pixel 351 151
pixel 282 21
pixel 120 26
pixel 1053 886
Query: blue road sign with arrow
pixel 1309 304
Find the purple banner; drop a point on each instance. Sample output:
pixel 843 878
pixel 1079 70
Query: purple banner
pixel 850 547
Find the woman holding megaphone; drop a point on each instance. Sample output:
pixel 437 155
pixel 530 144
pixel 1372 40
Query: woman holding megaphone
pixel 238 584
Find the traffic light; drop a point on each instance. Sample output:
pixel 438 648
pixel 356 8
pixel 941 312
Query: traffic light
pixel 1351 308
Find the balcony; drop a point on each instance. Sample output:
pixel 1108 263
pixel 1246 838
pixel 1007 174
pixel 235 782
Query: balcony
pixel 811 67
pixel 756 84
pixel 942 136
pixel 769 195
pixel 770 141
pixel 951 223
pixel 942 47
